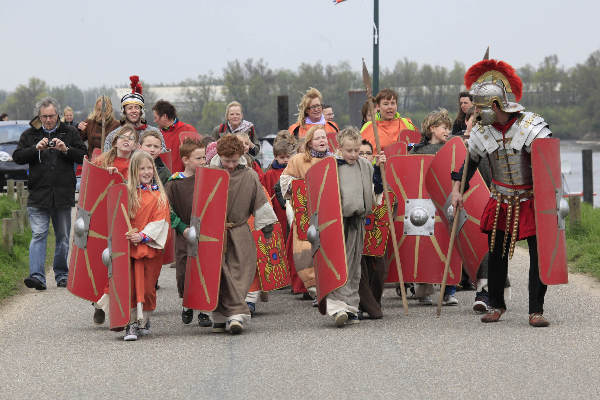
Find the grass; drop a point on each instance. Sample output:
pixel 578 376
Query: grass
pixel 583 242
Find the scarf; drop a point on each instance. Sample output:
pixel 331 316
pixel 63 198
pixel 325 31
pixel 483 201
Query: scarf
pixel 320 154
pixel 320 122
pixel 151 187
pixel 276 165
pixel 170 127
pixel 245 126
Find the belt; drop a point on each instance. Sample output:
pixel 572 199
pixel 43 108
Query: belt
pixel 512 217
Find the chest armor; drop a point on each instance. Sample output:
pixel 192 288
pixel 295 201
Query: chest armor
pixel 510 167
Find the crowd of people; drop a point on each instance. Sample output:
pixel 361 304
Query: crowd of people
pixel 160 195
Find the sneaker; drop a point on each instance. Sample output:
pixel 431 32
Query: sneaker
pixel 306 296
pixel 315 303
pixel 481 303
pixel 352 319
pixel 187 315
pixel 34 283
pixel 236 327
pixel 62 283
pixel 450 300
pixel 340 318
pixel 204 320
pixel 218 327
pixel 99 316
pixel 145 330
pixel 410 292
pixel 251 307
pixel 537 320
pixel 493 315
pixel 131 332
pixel 426 301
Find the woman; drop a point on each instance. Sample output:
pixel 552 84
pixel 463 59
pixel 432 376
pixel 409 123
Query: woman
pixel 310 113
pixel 313 150
pixel 91 128
pixel 67 118
pixel 235 123
pixel 465 101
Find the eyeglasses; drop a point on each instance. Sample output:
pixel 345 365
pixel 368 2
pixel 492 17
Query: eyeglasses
pixel 316 107
pixel 365 153
pixel 51 116
pixel 126 137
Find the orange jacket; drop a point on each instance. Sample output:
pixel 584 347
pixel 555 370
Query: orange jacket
pixel 300 131
pixel 388 131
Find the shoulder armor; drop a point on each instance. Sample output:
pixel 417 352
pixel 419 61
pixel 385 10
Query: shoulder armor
pixel 530 126
pixel 484 140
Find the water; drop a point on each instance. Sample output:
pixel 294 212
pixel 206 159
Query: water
pixel 570 156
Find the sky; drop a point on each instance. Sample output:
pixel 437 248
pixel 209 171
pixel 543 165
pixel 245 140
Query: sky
pixel 95 43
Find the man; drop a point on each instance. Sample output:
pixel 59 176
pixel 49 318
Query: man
pixel 132 107
pixel 51 150
pixel 4 117
pixel 328 112
pixel 504 134
pixel 165 116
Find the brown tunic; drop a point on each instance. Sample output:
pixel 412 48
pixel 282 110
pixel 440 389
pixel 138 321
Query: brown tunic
pixel 93 133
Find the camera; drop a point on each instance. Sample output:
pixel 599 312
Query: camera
pixel 52 144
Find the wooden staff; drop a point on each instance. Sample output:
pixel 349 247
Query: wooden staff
pixel 367 83
pixel 463 181
pixel 138 272
pixel 104 128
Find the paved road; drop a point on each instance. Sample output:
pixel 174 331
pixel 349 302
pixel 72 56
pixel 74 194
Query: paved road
pixel 51 349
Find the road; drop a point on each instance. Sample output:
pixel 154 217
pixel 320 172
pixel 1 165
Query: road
pixel 51 349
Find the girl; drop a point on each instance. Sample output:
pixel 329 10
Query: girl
pixel 151 143
pixel 123 145
pixel 149 215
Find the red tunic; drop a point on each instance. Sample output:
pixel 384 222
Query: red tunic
pixel 172 141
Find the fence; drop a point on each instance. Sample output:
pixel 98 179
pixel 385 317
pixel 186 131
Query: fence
pixel 15 190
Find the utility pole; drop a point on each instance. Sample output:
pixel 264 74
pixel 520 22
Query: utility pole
pixel 375 47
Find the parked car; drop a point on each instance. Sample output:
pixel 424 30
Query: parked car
pixel 10 132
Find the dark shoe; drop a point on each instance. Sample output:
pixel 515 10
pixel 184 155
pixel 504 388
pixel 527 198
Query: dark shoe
pixel 251 307
pixel 482 302
pixel 218 327
pixel 204 320
pixel 145 330
pixel 156 286
pixel 537 320
pixel 236 327
pixel 352 319
pixel 34 283
pixel 306 296
pixel 187 315
pixel 131 332
pixel 99 316
pixel 61 283
pixel 493 315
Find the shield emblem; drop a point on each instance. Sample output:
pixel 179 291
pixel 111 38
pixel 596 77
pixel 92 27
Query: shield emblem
pixel 332 140
pixel 327 237
pixel 119 264
pixel 167 159
pixel 470 242
pixel 300 206
pixel 377 229
pixel 273 271
pixel 551 209
pixel 87 274
pixel 396 149
pixel 422 236
pixel 206 239
pixel 409 136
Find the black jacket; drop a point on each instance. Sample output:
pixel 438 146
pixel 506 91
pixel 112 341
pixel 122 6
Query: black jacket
pixel 51 173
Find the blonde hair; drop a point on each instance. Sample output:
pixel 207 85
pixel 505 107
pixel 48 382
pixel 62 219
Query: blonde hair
pixel 347 134
pixel 133 184
pixel 435 119
pixel 309 96
pixel 233 104
pixel 106 159
pixel 96 115
pixel 285 144
pixel 67 108
pixel 151 133
pixel 310 134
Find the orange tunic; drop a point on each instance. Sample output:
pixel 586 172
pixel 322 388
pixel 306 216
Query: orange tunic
pixel 388 131
pixel 300 131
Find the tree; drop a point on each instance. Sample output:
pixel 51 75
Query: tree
pixel 20 104
pixel 69 95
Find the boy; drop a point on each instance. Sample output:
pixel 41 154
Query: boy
pixel 180 191
pixel 151 143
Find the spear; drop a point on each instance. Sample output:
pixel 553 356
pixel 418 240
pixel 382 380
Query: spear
pixel 367 83
pixel 103 124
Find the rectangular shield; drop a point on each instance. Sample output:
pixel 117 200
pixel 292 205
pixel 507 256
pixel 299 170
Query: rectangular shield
pixel 409 136
pixel 471 243
pixel 331 269
pixel 205 247
pixel 332 141
pixel 167 159
pixel 273 271
pixel 422 236
pixel 396 149
pixel 119 269
pixel 300 206
pixel 87 274
pixel 551 208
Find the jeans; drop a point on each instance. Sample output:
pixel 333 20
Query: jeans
pixel 39 219
pixel 450 290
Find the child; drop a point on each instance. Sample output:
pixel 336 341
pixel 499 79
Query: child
pixel 115 160
pixel 435 132
pixel 388 120
pixel 246 197
pixel 151 143
pixel 149 214
pixel 180 191
pixel 251 161
pixel 356 177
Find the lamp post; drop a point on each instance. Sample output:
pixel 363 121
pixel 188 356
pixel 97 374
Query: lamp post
pixel 375 47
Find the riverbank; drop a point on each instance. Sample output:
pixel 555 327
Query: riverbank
pixel 583 242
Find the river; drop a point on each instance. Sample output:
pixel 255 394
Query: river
pixel 570 157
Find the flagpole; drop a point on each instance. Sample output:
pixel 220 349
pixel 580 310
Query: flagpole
pixel 375 47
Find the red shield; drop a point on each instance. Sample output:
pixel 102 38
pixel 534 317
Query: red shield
pixel 377 230
pixel 205 248
pixel 549 212
pixel 332 140
pixel 470 242
pixel 273 271
pixel 408 136
pixel 396 149
pixel 87 274
pixel 167 159
pixel 119 270
pixel 95 153
pixel 422 235
pixel 331 270
pixel 300 206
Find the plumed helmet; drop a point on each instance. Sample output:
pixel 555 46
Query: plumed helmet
pixel 135 97
pixel 492 80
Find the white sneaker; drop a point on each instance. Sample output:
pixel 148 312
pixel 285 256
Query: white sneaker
pixel 235 327
pixel 131 332
pixel 450 300
pixel 340 318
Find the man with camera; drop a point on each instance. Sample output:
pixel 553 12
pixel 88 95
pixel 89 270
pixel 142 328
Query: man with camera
pixel 51 148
